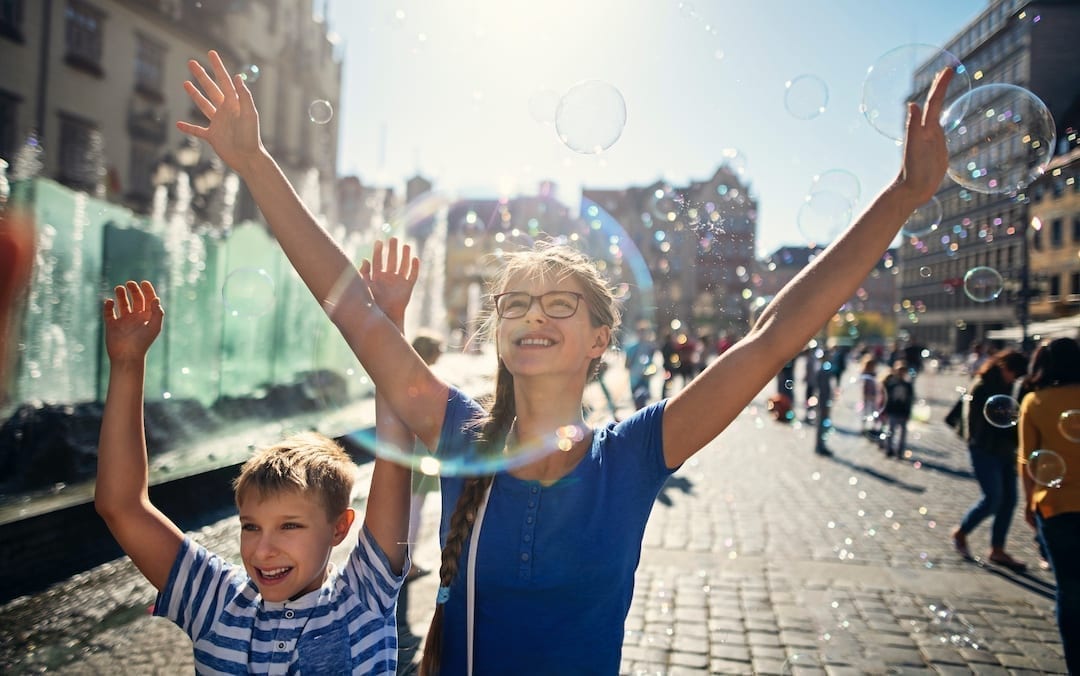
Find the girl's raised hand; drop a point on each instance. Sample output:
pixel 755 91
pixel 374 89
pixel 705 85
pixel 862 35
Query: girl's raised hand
pixel 391 280
pixel 925 154
pixel 132 321
pixel 233 121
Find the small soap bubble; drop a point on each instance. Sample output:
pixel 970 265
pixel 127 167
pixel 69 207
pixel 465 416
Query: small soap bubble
pixel 823 216
pixel 590 117
pixel 840 181
pixel 320 111
pixel 983 284
pixel 1069 424
pixel 1046 468
pixel 924 220
pixel 1002 411
pixel 1000 138
pixel 248 292
pixel 925 272
pixel 806 96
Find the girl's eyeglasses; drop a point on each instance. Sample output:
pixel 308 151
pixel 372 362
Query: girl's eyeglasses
pixel 555 304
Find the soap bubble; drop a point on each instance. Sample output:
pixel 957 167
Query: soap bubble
pixel 320 111
pixel 1000 138
pixel 806 96
pixel 1001 411
pixel 1046 468
pixel 590 117
pixel 248 292
pixel 888 85
pixel 983 284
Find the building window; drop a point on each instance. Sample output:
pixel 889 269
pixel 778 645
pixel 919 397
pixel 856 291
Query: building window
pixel 11 19
pixel 1056 233
pixel 144 157
pixel 83 36
pixel 8 107
pixel 81 154
pixel 149 67
pixel 1076 229
pixel 1055 287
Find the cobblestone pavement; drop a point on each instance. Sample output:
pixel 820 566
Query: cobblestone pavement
pixel 760 557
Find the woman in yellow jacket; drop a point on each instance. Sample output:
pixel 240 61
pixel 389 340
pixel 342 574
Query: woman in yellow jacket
pixel 1052 504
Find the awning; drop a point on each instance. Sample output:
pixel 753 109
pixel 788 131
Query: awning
pixel 1061 327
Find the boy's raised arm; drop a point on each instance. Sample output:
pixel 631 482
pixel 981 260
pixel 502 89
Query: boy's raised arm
pixel 387 514
pixel 233 132
pixel 132 322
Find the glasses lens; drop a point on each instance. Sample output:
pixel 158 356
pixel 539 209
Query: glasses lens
pixel 513 304
pixel 559 304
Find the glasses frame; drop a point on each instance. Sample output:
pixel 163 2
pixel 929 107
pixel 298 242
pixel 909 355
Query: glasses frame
pixel 532 299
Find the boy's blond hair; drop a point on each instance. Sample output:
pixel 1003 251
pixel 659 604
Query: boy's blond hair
pixel 308 463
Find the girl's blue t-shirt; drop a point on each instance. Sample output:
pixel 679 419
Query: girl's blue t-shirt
pixel 555 564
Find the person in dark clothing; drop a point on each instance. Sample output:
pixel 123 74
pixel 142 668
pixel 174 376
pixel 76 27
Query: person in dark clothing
pixel 823 378
pixel 993 457
pixel 899 395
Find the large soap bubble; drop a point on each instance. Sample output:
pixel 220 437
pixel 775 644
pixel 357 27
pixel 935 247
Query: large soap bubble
pixel 590 117
pixel 1000 138
pixel 888 84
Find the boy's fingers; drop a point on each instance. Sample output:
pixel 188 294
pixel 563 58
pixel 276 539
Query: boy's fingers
pixel 243 92
pixel 392 258
pixel 414 270
pixel 138 301
pixel 376 256
pixel 149 294
pixel 935 101
pixel 365 269
pixel 122 302
pixel 108 308
pixel 406 257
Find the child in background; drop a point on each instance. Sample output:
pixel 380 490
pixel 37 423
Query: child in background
pixel 870 412
pixel 899 395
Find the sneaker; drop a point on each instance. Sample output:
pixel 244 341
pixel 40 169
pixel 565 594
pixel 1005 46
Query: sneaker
pixel 959 541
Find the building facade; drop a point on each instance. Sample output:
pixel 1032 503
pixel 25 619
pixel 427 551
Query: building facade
pixel 96 86
pixel 1026 43
pixel 1054 241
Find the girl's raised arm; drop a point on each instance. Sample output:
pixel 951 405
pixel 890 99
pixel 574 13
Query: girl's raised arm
pixel 702 410
pixel 409 386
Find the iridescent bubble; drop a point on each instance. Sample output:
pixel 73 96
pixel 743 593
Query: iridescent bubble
pixel 248 292
pixel 250 73
pixel 840 181
pixel 823 215
pixel 806 96
pixel 924 220
pixel 320 111
pixel 542 106
pixel 888 84
pixel 983 284
pixel 1046 468
pixel 1002 411
pixel 925 272
pixel 1000 138
pixel 1069 425
pixel 590 117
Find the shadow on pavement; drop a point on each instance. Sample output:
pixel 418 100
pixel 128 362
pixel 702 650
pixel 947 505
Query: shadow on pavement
pixel 677 482
pixel 879 475
pixel 1025 580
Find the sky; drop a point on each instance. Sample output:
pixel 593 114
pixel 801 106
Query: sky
pixel 463 93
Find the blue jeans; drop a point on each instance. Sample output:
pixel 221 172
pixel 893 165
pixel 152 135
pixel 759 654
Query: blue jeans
pixel 897 435
pixel 1060 535
pixel 997 479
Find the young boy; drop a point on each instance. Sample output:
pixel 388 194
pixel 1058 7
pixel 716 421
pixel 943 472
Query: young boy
pixel 286 609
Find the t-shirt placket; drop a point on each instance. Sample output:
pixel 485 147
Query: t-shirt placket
pixel 285 627
pixel 528 532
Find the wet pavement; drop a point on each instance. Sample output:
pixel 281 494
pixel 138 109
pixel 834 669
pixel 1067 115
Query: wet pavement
pixel 760 557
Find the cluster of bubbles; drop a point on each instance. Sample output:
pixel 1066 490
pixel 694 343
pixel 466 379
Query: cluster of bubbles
pixel 1044 466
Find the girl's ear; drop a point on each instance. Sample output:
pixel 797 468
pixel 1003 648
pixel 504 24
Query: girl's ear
pixel 600 345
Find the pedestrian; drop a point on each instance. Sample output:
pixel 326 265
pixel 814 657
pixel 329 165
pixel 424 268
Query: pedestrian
pixel 870 405
pixel 538 560
pixel 898 396
pixel 640 356
pixel 823 412
pixel 812 360
pixel 285 607
pixel 993 457
pixel 1052 505
pixel 430 347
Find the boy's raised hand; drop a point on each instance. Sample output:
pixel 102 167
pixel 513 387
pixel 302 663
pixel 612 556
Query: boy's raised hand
pixel 132 321
pixel 925 154
pixel 225 100
pixel 391 280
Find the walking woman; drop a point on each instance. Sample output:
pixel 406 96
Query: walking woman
pixel 993 457
pixel 1052 505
